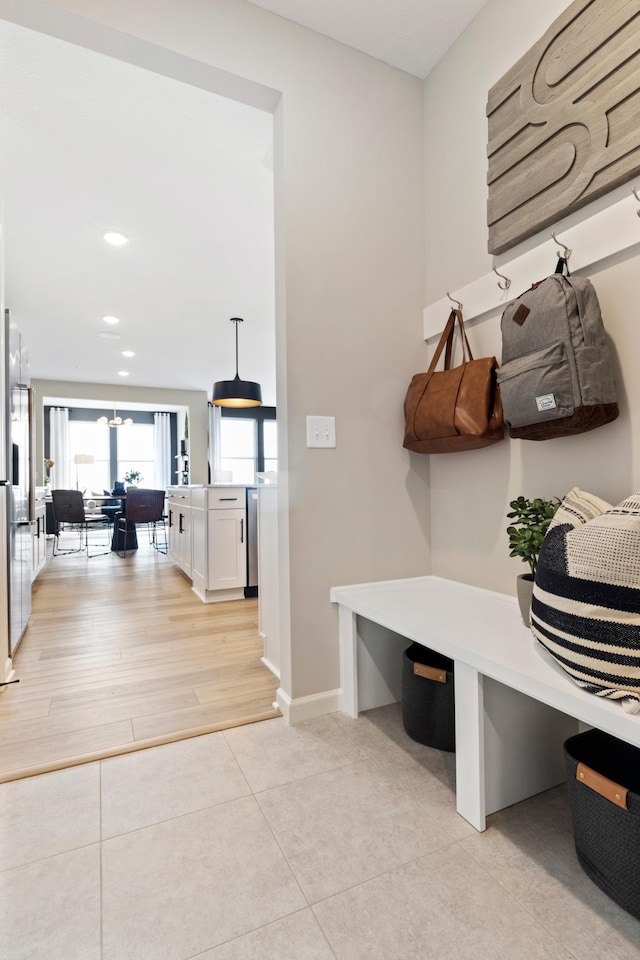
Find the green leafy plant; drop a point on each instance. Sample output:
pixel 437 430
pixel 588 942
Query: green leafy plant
pixel 531 521
pixel 133 476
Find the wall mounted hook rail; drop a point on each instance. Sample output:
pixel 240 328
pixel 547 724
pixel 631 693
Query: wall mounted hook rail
pixel 605 232
pixel 507 282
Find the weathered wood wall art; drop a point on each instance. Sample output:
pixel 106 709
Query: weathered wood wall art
pixel 564 122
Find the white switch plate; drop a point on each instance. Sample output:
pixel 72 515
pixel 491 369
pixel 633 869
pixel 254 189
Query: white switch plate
pixel 321 432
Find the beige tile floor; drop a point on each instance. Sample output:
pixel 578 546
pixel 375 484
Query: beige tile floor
pixel 329 840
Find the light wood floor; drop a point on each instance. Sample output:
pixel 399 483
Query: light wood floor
pixel 121 655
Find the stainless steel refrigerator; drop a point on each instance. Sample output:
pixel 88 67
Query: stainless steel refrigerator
pixel 17 486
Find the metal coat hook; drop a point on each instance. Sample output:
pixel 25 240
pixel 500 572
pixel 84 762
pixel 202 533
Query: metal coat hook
pixel 567 251
pixel 507 282
pixel 637 196
pixel 453 300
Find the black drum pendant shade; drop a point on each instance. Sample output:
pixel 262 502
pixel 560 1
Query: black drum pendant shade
pixel 236 392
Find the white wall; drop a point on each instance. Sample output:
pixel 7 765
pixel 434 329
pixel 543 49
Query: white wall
pixel 470 492
pixel 350 250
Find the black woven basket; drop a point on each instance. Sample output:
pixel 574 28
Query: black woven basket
pixel 428 712
pixel 606 824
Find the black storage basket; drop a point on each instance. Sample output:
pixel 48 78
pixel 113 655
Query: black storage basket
pixel 607 836
pixel 428 712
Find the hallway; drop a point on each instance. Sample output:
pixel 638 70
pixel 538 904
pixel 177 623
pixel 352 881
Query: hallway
pixel 120 654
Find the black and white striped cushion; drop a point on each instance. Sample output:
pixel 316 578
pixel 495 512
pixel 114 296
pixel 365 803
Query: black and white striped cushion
pixel 586 596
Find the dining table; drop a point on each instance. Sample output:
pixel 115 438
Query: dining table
pixel 115 506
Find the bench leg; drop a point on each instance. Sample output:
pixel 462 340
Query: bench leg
pixel 508 745
pixel 348 637
pixel 470 765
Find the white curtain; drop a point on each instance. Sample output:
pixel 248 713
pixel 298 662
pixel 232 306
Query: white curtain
pixel 161 450
pixel 215 416
pixel 59 448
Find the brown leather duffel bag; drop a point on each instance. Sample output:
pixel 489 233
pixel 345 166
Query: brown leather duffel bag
pixel 457 408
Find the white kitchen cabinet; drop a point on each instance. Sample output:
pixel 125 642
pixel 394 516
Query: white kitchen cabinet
pixel 179 511
pixel 226 549
pixel 219 531
pixel 39 534
pixel 198 542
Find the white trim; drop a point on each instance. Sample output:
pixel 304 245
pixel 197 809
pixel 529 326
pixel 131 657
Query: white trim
pixel 218 596
pixel 270 666
pixel 8 674
pixel 306 708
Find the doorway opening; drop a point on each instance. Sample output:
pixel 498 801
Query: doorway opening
pixel 166 321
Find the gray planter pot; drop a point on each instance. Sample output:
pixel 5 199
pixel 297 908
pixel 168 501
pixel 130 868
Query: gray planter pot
pixel 524 590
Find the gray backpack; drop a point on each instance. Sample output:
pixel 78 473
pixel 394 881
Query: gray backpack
pixel 556 378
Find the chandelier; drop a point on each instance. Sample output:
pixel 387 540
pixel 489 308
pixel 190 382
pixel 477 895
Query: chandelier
pixel 115 421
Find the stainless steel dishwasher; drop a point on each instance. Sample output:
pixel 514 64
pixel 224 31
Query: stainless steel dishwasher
pixel 251 589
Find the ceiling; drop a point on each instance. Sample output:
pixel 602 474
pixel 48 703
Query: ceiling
pixel 87 149
pixel 409 34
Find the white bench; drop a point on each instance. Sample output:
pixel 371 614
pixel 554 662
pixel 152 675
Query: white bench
pixel 514 705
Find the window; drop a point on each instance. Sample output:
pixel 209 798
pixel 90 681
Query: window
pixel 115 450
pixel 248 442
pixel 135 451
pixel 238 448
pixel 90 440
pixel 270 442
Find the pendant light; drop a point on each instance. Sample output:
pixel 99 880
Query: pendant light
pixel 115 421
pixel 236 392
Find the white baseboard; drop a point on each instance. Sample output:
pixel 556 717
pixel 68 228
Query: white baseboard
pixel 8 673
pixel 271 666
pixel 306 708
pixel 217 596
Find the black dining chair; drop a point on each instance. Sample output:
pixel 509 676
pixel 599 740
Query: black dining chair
pixel 141 507
pixel 69 513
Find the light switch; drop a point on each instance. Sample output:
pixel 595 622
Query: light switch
pixel 321 431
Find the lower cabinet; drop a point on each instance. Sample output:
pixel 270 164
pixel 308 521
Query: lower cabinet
pixel 226 549
pixel 179 513
pixel 39 539
pixel 219 537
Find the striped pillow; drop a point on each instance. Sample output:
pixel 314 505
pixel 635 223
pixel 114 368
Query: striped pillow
pixel 578 507
pixel 586 596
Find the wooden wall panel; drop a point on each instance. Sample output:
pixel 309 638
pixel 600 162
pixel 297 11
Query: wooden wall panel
pixel 564 122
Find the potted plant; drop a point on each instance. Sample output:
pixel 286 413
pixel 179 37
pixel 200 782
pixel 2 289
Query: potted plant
pixel 530 521
pixel 133 477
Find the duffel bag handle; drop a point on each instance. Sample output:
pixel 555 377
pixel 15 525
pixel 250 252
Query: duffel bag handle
pixel 606 788
pixel 429 673
pixel 446 342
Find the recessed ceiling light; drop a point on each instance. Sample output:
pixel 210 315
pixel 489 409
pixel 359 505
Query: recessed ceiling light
pixel 108 335
pixel 123 373
pixel 115 239
pixel 128 353
pixel 111 319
